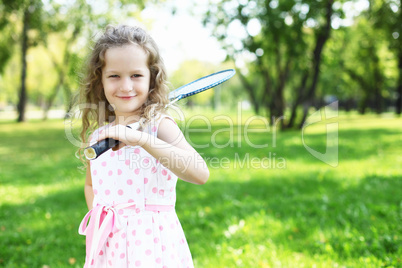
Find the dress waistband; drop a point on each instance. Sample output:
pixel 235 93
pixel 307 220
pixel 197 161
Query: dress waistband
pixel 102 220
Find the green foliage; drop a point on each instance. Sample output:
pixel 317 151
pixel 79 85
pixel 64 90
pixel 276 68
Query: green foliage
pixel 306 214
pixel 40 83
pixel 9 81
pixel 386 17
pixel 5 52
pixel 281 42
pixel 59 36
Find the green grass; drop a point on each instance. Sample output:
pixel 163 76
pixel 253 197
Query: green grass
pixel 299 213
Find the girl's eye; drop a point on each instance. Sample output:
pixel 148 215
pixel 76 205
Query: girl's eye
pixel 114 76
pixel 136 75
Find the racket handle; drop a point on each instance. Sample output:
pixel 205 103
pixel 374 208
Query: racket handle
pixel 99 148
pixel 94 151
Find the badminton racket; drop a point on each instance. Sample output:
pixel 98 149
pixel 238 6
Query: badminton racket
pixel 182 92
pixel 200 85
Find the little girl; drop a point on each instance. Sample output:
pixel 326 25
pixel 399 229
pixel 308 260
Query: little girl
pixel 130 190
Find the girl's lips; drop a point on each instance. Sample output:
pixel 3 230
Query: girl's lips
pixel 126 97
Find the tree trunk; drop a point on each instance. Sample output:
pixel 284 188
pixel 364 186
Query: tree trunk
pixel 24 48
pixel 279 95
pixel 377 85
pixel 71 100
pixel 398 104
pixel 363 104
pixel 62 72
pixel 398 101
pixel 266 99
pixel 296 103
pixel 322 38
pixel 250 90
pixel 50 100
pixel 52 97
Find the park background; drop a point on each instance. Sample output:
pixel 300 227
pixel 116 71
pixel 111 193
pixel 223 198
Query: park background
pixel 293 59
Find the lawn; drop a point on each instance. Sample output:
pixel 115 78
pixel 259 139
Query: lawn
pixel 276 206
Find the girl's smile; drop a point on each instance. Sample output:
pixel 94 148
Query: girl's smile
pixel 126 79
pixel 127 97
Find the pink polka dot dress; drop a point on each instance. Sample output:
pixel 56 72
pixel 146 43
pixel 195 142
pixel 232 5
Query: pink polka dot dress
pixel 134 196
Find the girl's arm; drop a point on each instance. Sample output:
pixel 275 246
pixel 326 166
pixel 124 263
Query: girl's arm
pixel 175 153
pixel 170 148
pixel 89 193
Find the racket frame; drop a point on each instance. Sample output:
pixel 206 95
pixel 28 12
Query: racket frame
pixel 173 98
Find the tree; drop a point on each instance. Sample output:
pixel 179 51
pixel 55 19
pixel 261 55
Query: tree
pixel 306 92
pixel 364 64
pixel 71 25
pixel 31 18
pixel 6 40
pixel 387 15
pixel 359 68
pixel 285 40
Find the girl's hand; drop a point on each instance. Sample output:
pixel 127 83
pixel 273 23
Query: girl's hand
pixel 125 135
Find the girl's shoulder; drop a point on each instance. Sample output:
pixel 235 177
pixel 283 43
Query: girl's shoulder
pixel 163 117
pixel 160 117
pixel 155 123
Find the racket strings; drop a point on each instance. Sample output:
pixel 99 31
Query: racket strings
pixel 202 83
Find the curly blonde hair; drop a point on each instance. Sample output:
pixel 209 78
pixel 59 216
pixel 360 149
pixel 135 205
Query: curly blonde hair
pixel 92 93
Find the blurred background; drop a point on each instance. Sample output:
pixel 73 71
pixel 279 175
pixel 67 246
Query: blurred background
pixel 290 55
pixel 272 206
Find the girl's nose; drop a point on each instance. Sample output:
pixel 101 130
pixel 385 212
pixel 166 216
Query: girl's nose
pixel 127 85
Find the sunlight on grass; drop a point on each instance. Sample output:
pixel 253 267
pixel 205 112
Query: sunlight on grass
pixel 15 195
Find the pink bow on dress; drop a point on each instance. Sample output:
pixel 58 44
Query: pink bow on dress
pixel 104 220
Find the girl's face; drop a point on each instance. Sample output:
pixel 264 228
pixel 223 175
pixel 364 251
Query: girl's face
pixel 126 79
